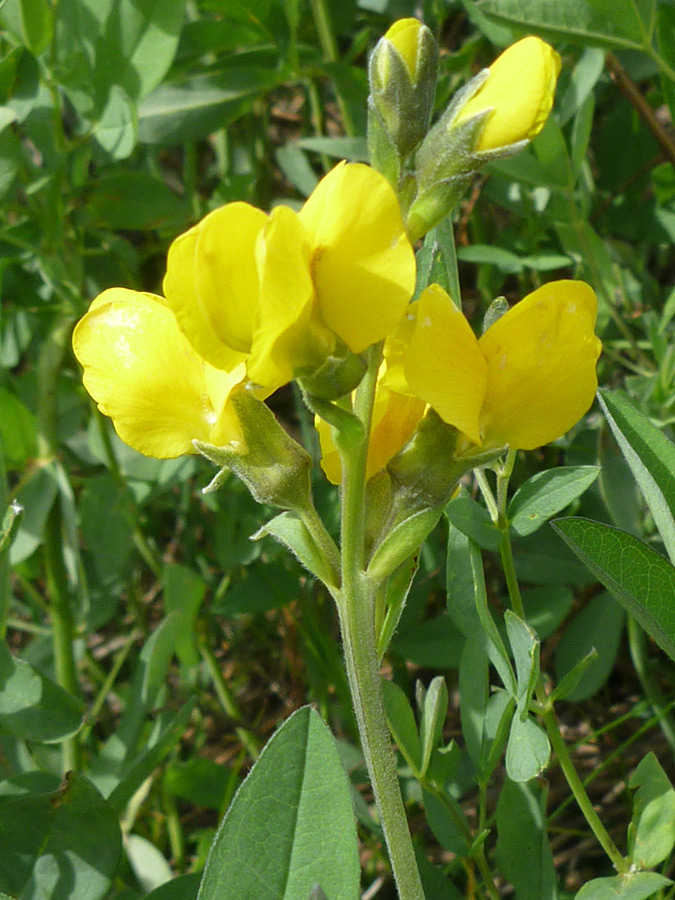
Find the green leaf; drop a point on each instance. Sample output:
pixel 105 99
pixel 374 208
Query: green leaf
pixel 47 845
pixel 198 780
pixel 639 577
pixel 435 643
pixel 289 529
pixel 525 647
pixel 290 825
pixel 665 29
pixel 401 721
pixel 395 590
pixel 495 645
pixel 139 44
pixel 473 696
pixel 583 79
pixel 527 751
pixel 352 149
pixel 148 863
pixel 195 107
pixel 486 254
pixel 460 583
pixel 523 851
pixel 31 706
pixel 10 522
pixel 546 494
pixel 634 886
pixel 133 200
pixel 434 711
pixel 444 825
pixel 117 127
pixel 616 24
pixel 474 520
pixel 184 590
pixel 652 832
pixel 591 640
pixel 295 166
pixel 107 514
pixel 184 887
pixel 166 733
pixel 18 427
pixel 37 24
pixel 568 684
pixel 118 756
pixel 651 457
pixel 36 496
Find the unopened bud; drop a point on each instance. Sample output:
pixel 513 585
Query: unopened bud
pixel 402 71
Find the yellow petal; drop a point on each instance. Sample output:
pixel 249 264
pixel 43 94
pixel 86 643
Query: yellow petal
pixel 143 373
pixel 395 350
pixel 211 282
pixel 404 34
pixel 289 337
pixel 330 458
pixel 519 91
pixel 541 357
pixel 395 418
pixel 444 365
pixel 363 263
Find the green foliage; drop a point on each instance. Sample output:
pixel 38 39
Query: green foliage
pixel 295 804
pixel 149 647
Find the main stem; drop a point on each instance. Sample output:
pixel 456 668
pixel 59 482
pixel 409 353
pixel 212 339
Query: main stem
pixel 356 606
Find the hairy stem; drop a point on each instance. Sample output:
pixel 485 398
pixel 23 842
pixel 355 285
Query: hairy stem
pixel 356 606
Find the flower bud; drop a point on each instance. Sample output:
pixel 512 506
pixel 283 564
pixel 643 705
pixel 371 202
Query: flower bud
pixel 491 117
pixel 402 71
pixel 517 95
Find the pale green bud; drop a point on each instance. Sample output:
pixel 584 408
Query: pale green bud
pixel 402 72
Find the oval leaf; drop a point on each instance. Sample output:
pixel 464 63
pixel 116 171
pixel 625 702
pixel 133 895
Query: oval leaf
pixel 290 825
pixel 639 577
pixel 546 494
pixel 31 706
pixel 651 457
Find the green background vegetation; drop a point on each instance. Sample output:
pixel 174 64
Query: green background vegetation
pixel 179 643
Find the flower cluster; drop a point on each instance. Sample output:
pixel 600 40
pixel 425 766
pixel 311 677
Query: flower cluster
pixel 248 298
pixel 252 301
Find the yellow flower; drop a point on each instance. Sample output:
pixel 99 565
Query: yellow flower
pixel 143 373
pixel 524 383
pixel 519 90
pixel 286 288
pixel 395 418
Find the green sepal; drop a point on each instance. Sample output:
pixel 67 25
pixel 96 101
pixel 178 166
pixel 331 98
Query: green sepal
pixel 274 467
pixel 382 150
pixel 348 430
pixel 424 474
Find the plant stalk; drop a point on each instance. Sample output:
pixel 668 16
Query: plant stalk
pixel 356 607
